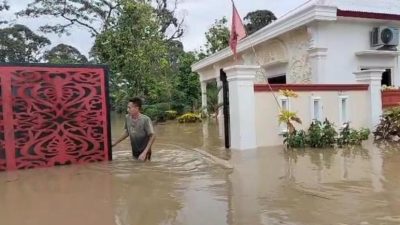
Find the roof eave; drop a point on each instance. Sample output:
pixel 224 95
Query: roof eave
pixel 297 18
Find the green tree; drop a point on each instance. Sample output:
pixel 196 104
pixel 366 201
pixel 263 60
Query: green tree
pixel 217 36
pixel 19 44
pixel 96 15
pixel 186 92
pixel 137 55
pixel 64 54
pixel 175 51
pixel 258 19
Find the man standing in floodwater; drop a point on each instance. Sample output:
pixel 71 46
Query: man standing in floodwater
pixel 139 128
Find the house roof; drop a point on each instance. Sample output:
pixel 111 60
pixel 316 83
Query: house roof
pixel 372 6
pixel 312 10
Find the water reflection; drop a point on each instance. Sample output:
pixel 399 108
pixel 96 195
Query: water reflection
pixel 180 186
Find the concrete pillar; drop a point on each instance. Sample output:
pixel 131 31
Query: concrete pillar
pixel 220 100
pixel 396 71
pixel 204 96
pixel 242 106
pixel 373 78
pixel 318 64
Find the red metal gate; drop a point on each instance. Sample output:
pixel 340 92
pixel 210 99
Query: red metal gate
pixel 53 115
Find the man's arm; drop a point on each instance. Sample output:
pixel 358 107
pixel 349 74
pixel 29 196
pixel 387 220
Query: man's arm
pixel 148 147
pixel 150 131
pixel 123 136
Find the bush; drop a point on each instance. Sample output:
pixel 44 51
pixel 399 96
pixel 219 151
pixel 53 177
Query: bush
pixel 178 107
pixel 329 134
pixel 295 140
pixel 324 135
pixel 155 113
pixel 187 109
pixel 171 114
pixel 348 136
pixel 163 106
pixel 189 118
pixel 389 126
pixel 314 135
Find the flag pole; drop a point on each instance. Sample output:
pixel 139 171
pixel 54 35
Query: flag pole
pixel 259 64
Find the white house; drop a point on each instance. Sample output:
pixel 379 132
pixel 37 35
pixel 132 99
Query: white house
pixel 334 53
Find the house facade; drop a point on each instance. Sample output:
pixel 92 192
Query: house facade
pixel 335 53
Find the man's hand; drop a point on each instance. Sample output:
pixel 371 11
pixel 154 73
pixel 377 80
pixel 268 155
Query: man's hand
pixel 142 156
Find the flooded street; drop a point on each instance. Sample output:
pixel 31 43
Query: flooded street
pixel 180 186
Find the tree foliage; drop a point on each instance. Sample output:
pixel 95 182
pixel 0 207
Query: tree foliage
pixel 93 15
pixel 96 15
pixel 64 54
pixel 217 37
pixel 137 55
pixel 19 44
pixel 186 89
pixel 136 38
pixel 258 19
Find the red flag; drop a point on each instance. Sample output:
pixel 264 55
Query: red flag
pixel 237 30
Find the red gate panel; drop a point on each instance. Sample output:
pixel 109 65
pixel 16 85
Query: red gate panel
pixel 54 116
pixel 3 164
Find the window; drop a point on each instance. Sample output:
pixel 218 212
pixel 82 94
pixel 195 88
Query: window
pixel 281 79
pixel 285 103
pixel 285 106
pixel 387 77
pixel 343 109
pixel 316 108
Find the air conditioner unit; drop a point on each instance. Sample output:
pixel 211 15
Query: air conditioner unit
pixel 384 36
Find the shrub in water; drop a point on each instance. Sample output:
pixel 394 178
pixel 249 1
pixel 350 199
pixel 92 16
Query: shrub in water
pixel 314 135
pixel 321 135
pixel 155 113
pixel 349 136
pixel 189 118
pixel 171 114
pixel 389 126
pixel 329 134
pixel 297 139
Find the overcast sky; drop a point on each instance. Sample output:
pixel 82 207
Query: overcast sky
pixel 199 16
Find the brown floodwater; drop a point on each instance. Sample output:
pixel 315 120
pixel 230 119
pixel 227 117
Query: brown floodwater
pixel 181 186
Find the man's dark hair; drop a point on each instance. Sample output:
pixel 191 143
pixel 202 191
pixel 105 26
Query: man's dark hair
pixel 137 102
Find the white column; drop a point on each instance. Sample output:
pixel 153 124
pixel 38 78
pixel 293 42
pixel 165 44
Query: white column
pixel 373 78
pixel 220 100
pixel 220 116
pixel 318 64
pixel 396 71
pixel 204 96
pixel 242 106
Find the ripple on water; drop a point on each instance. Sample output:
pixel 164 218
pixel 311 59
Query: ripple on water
pixel 166 159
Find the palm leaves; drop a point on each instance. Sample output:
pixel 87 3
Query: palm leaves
pixel 286 116
pixel 289 118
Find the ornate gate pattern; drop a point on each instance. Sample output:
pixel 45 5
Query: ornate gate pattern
pixel 53 116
